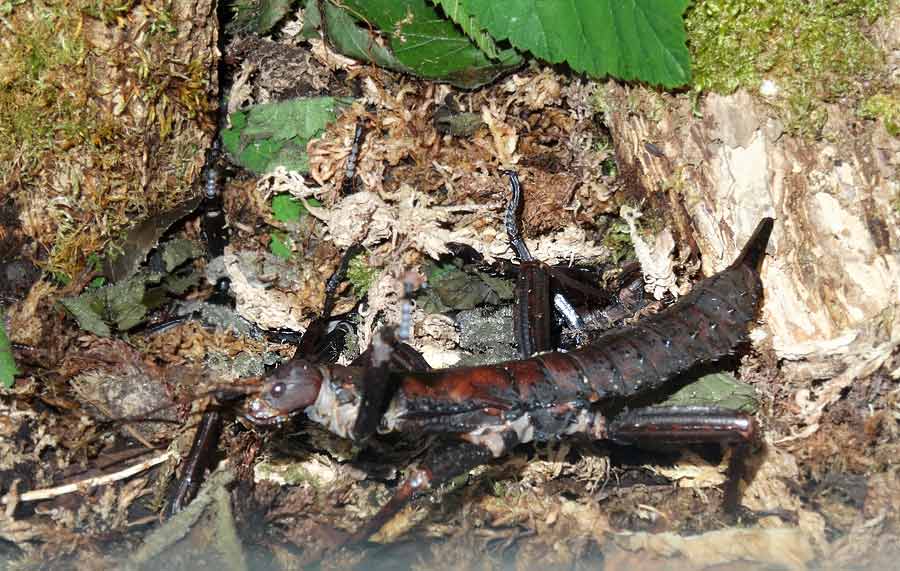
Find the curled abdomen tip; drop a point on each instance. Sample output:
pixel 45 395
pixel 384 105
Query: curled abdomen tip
pixel 753 253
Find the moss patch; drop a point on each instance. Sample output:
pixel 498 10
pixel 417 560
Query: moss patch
pixel 37 64
pixel 102 117
pixel 815 52
pixel 885 107
pixel 361 275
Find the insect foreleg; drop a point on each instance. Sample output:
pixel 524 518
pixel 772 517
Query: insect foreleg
pixel 198 461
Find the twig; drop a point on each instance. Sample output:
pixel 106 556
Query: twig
pixel 87 483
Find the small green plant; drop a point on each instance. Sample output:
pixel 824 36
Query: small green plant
pixel 103 308
pixel 716 389
pixel 275 134
pixel 95 263
pixel 280 244
pixel 885 107
pixel 360 275
pixel 8 369
pixel 618 240
pixel 286 208
pixel 97 282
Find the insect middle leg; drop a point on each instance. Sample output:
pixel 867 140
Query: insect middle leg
pixel 533 287
pixel 442 463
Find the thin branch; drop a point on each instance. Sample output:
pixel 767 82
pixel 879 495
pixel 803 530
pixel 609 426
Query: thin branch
pixel 86 483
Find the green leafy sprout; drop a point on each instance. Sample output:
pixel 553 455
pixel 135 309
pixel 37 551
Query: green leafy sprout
pixel 289 210
pixel 281 245
pixel 8 369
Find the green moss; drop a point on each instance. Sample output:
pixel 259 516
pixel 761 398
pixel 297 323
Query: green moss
pixel 35 106
pixel 69 131
pixel 618 239
pixel 360 275
pixel 815 51
pixel 885 107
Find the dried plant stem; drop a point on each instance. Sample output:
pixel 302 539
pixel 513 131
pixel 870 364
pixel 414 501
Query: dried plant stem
pixel 88 483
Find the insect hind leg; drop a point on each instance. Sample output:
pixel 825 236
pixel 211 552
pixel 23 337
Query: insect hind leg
pixel 682 425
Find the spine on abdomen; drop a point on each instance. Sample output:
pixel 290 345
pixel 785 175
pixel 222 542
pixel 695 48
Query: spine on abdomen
pixel 703 326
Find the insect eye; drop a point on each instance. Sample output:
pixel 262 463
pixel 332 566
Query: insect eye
pixel 278 390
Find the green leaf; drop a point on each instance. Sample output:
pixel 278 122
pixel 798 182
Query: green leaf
pixel 312 19
pixel 717 389
pixel 258 155
pixel 286 208
pixel 453 288
pixel 238 120
pixel 628 39
pixel 428 44
pixel 178 284
pixel 121 304
pixel 354 41
pixel 455 10
pixel 8 369
pixel 124 303
pixel 275 134
pixel 270 13
pixel 279 245
pixel 87 309
pixel 178 251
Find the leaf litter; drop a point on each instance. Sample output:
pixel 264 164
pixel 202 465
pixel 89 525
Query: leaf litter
pixel 425 193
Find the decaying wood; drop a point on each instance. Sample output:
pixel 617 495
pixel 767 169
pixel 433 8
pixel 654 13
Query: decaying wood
pixel 834 277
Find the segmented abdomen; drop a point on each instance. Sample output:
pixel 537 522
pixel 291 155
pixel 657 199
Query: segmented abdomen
pixel 703 326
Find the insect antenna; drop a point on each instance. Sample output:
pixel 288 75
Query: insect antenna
pixel 225 394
